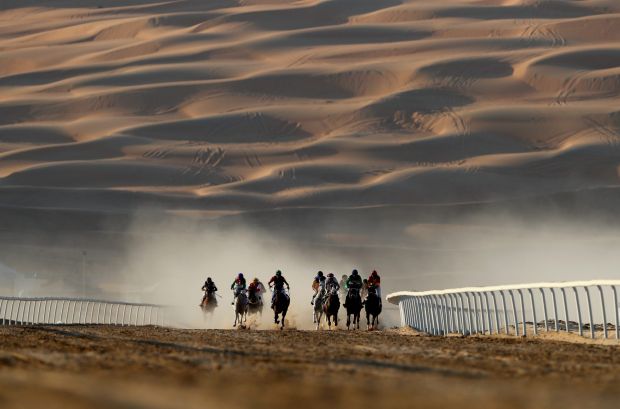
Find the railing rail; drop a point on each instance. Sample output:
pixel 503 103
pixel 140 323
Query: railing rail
pixel 63 310
pixel 495 309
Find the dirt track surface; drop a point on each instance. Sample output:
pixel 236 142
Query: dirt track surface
pixel 111 367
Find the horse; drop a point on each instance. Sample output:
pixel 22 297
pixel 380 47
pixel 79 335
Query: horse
pixel 372 305
pixel 280 306
pixel 331 307
pixel 255 304
pixel 318 309
pixel 209 303
pixel 354 306
pixel 241 308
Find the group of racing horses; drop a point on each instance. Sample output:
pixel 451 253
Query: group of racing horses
pixel 326 306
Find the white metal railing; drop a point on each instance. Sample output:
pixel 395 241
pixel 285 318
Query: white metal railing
pixel 52 310
pixel 506 309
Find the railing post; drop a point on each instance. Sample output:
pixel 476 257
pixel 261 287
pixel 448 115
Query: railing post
pixel 520 291
pixel 452 315
pixel 486 302
pixel 514 312
pixel 470 323
pixel 578 311
pixel 462 314
pixel 497 327
pixel 589 311
pixel 419 311
pixel 555 309
pixel 544 301
pixel 565 302
pixel 600 291
pixel 613 287
pixel 476 312
pixel 507 328
pixel 13 304
pixel 535 321
pixel 3 303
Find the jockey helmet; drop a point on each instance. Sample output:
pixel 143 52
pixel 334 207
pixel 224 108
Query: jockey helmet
pixel 320 274
pixel 209 279
pixel 330 275
pixel 278 273
pixel 240 275
pixel 374 273
pixel 354 273
pixel 256 279
pixel 365 281
pixel 344 277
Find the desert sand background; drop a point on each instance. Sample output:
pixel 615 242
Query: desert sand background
pixel 445 143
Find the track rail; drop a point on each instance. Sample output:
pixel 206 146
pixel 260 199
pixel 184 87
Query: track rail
pixel 513 309
pixel 67 311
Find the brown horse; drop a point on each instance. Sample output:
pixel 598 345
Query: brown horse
pixel 280 306
pixel 209 303
pixel 373 308
pixel 354 306
pixel 255 303
pixel 331 307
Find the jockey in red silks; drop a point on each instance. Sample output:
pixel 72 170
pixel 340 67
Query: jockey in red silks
pixel 278 282
pixel 375 281
pixel 255 290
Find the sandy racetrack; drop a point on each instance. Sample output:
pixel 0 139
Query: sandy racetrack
pixel 112 367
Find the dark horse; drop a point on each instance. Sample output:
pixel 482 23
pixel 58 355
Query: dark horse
pixel 255 303
pixel 331 307
pixel 354 306
pixel 372 306
pixel 280 306
pixel 209 302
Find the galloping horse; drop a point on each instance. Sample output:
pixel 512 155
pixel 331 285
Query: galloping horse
pixel 241 308
pixel 318 309
pixel 280 306
pixel 209 303
pixel 372 306
pixel 331 307
pixel 255 304
pixel 354 306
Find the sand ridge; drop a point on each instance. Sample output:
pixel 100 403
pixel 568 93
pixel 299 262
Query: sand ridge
pixel 256 104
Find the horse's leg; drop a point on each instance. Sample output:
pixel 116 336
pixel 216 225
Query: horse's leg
pixel 283 317
pixel 358 319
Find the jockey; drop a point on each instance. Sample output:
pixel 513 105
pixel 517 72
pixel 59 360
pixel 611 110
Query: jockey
pixel 331 284
pixel 238 285
pixel 354 282
pixel 364 289
pixel 254 289
pixel 318 285
pixel 375 281
pixel 278 282
pixel 209 289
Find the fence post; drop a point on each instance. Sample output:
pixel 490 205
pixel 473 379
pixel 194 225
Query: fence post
pixel 497 326
pixel 613 287
pixel 13 304
pixel 514 312
pixel 507 325
pixel 486 302
pixel 555 309
pixel 462 318
pixel 520 291
pixel 589 311
pixel 600 291
pixel 578 310
pixel 470 323
pixel 5 305
pixel 535 321
pixel 544 301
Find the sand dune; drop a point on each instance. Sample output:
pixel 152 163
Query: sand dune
pixel 271 103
